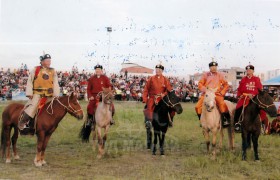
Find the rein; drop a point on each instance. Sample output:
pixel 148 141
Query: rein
pixel 69 107
pixel 261 104
pixel 169 103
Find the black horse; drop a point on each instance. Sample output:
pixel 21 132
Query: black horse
pixel 161 119
pixel 250 120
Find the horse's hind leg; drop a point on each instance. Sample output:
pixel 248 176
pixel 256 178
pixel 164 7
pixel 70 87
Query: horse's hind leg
pixel 214 141
pixel 7 131
pixel 94 135
pixel 255 138
pixel 156 134
pixel 221 139
pixel 14 142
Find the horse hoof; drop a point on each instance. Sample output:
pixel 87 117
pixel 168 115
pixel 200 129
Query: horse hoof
pixel 8 161
pixel 16 157
pixel 38 164
pixel 43 162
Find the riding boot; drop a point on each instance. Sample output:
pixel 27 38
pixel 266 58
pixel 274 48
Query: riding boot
pixel 24 119
pixel 237 125
pixel 89 120
pixel 199 115
pixel 225 119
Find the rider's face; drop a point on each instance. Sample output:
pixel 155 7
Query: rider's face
pixel 98 71
pixel 213 68
pixel 249 72
pixel 46 63
pixel 158 71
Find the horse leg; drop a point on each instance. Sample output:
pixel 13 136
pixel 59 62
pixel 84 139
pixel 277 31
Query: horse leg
pixel 249 139
pixel 40 141
pixel 14 142
pixel 231 137
pixel 155 141
pixel 100 142
pixel 7 132
pixel 206 136
pixel 47 138
pixel 244 144
pixel 104 139
pixel 94 135
pixel 161 143
pixel 221 138
pixel 214 140
pixel 255 138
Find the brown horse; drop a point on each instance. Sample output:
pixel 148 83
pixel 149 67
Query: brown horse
pixel 103 116
pixel 51 114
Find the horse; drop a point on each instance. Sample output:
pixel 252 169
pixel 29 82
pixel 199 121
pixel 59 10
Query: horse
pixel 46 123
pixel 161 119
pixel 103 116
pixel 211 121
pixel 251 123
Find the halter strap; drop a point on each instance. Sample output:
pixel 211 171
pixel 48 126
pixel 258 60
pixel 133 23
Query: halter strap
pixel 169 103
pixel 261 104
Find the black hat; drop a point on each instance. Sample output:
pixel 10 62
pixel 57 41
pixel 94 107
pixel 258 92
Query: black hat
pixel 98 66
pixel 213 64
pixel 250 67
pixel 46 56
pixel 160 66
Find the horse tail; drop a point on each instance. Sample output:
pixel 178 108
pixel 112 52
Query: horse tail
pixel 85 133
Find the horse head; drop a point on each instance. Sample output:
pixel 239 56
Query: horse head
pixel 107 95
pixel 265 102
pixel 173 101
pixel 209 99
pixel 73 106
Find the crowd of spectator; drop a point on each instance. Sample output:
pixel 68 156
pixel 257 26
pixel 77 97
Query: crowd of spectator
pixel 127 86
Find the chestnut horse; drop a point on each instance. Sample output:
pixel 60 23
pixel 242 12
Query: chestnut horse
pixel 103 116
pixel 211 121
pixel 51 114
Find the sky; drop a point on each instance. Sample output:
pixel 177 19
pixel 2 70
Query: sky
pixel 181 34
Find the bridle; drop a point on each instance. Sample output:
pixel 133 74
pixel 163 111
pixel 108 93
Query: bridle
pixel 106 96
pixel 261 104
pixel 69 108
pixel 169 103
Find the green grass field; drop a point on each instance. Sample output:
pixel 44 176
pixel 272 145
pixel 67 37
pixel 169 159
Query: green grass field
pixel 127 158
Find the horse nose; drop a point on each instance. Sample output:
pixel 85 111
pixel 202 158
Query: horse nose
pixel 80 116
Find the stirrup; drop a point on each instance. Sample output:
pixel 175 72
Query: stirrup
pixel 237 127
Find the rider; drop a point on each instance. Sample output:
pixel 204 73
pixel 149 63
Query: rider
pixel 95 85
pixel 248 88
pixel 214 79
pixel 156 87
pixel 42 82
pixel 275 125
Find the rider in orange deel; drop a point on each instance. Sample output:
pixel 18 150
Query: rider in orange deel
pixel 248 88
pixel 156 88
pixel 214 80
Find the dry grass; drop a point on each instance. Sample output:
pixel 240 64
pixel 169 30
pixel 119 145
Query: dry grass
pixel 127 158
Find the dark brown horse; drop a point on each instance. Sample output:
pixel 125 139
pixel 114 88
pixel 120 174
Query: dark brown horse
pixel 51 114
pixel 250 121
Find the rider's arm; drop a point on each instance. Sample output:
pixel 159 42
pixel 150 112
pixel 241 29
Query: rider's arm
pixel 56 89
pixel 29 85
pixel 225 85
pixel 146 90
pixel 201 83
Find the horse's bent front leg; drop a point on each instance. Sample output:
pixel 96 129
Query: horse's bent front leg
pixel 105 139
pixel 14 142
